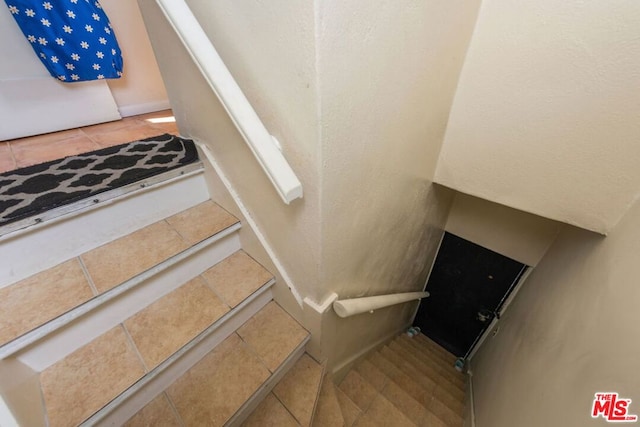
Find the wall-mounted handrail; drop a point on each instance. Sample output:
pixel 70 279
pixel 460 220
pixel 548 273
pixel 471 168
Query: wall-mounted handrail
pixel 350 307
pixel 262 144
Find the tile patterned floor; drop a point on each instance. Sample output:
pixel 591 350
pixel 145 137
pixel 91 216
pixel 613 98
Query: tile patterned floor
pixel 22 152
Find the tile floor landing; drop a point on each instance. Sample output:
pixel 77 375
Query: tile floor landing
pixel 22 152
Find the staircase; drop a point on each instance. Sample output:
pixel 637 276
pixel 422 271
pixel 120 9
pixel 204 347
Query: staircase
pixel 409 382
pixel 138 319
pixel 142 309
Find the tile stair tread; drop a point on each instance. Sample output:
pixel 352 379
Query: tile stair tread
pixel 22 296
pixel 407 368
pixel 432 345
pixel 328 410
pixel 270 413
pixel 446 376
pixel 401 392
pixel 442 374
pixel 401 379
pixel 456 379
pixel 216 387
pixel 298 390
pixel 446 361
pixel 350 411
pixel 434 355
pixel 436 390
pixel 151 336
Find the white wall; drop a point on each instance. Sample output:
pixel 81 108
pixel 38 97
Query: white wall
pixel 512 233
pixel 140 90
pixel 570 332
pixel 545 117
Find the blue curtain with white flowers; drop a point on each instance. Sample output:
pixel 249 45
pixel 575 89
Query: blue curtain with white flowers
pixel 73 38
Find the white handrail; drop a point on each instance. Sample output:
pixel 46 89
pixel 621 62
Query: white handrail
pixel 350 307
pixel 204 55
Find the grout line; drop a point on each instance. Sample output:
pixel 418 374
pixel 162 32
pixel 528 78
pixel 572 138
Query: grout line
pixel 208 286
pixel 92 285
pixel 135 347
pixel 283 404
pixel 173 408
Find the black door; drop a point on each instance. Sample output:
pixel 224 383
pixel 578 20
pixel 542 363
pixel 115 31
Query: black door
pixel 468 285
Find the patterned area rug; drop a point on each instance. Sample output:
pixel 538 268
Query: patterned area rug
pixel 29 191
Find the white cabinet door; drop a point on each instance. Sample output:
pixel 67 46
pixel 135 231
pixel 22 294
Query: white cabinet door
pixel 32 102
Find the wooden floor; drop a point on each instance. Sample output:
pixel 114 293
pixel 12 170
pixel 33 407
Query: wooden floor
pixel 22 152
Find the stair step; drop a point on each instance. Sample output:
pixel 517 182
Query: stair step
pixel 328 410
pixel 432 346
pixel 90 223
pixel 235 376
pixel 381 412
pixel 445 404
pixel 418 397
pixel 47 301
pixel 158 412
pixel 444 375
pixel 299 389
pixel 137 351
pixel 271 412
pixel 350 411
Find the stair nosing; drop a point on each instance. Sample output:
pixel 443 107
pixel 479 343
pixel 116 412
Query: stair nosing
pixel 99 415
pixel 38 333
pixel 71 210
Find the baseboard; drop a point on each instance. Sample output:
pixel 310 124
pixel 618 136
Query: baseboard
pixel 144 108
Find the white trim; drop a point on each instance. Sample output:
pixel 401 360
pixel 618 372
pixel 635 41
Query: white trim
pixel 249 220
pixel 128 403
pixel 88 321
pixel 222 83
pixel 256 398
pixel 144 108
pixel 326 304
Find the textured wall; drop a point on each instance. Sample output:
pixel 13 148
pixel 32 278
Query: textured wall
pixel 545 117
pixel 570 332
pixel 512 233
pixel 358 94
pixel 388 72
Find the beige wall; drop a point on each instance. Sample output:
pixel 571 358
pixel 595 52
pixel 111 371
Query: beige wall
pixel 268 47
pixel 570 332
pixel 512 233
pixel 545 117
pixel 387 74
pixel 140 89
pixel 358 94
